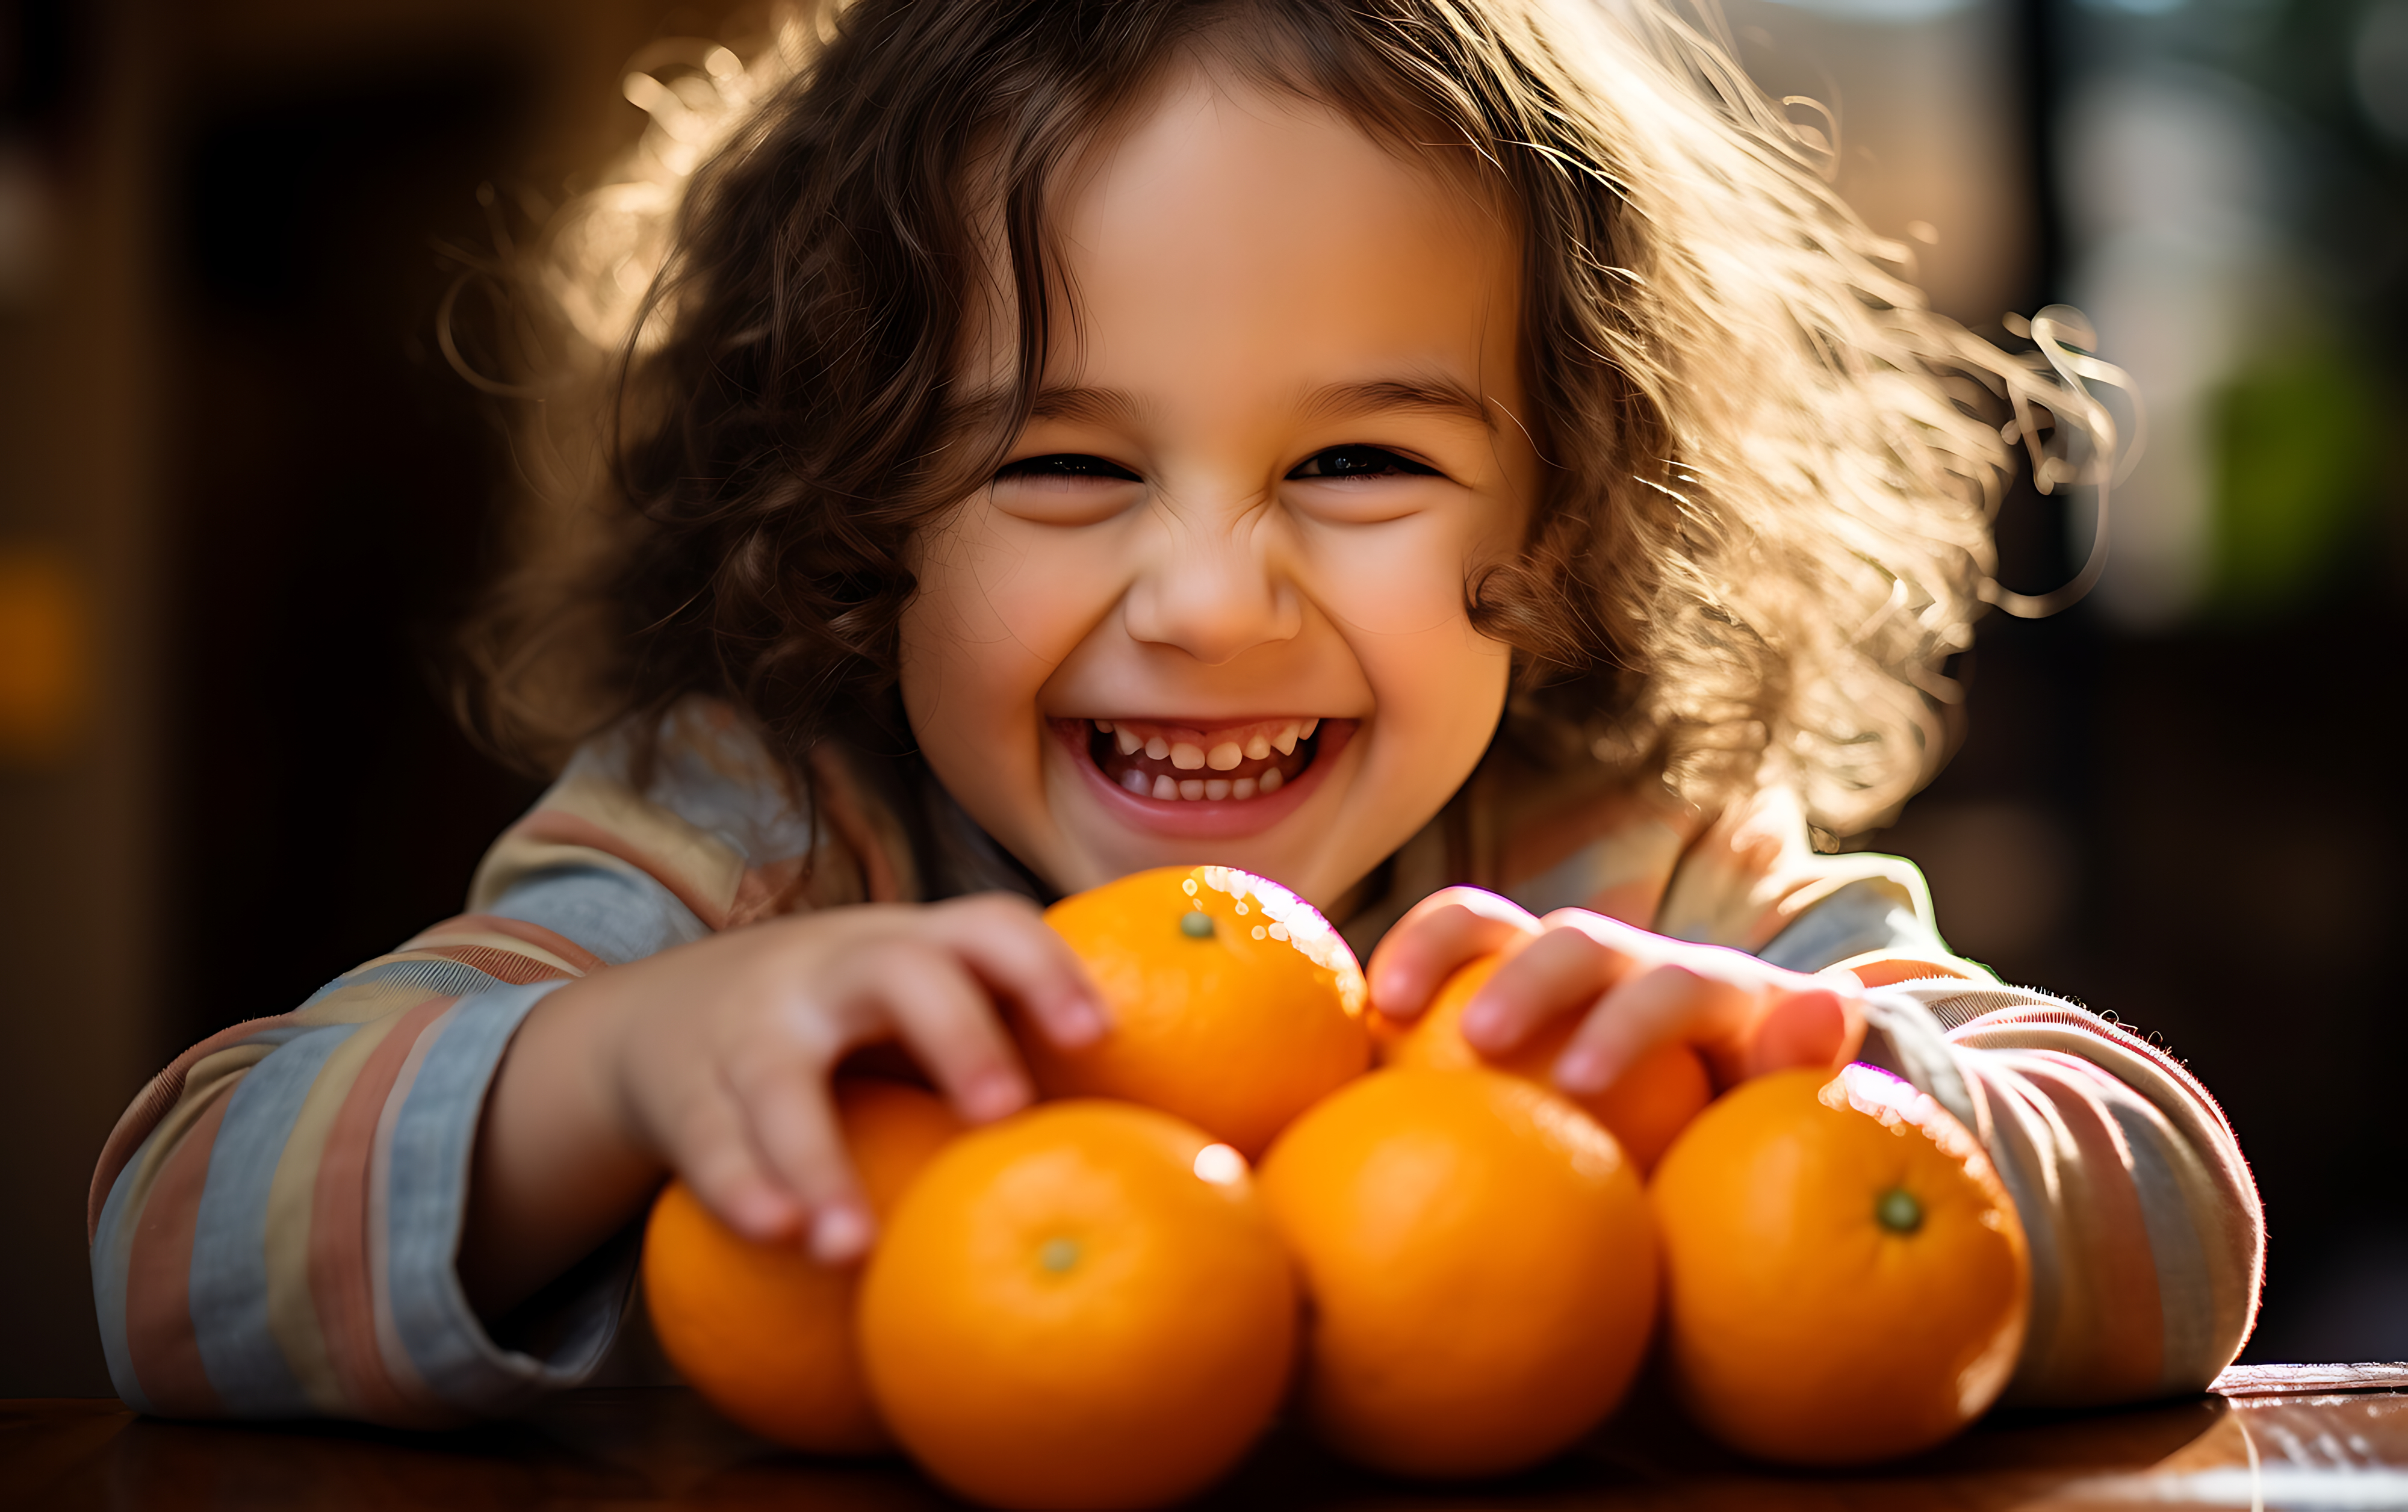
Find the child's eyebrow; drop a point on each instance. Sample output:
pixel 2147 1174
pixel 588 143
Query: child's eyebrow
pixel 1439 395
pixel 1097 407
pixel 1331 401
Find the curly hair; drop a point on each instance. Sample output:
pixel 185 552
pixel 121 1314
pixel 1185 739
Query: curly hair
pixel 1766 525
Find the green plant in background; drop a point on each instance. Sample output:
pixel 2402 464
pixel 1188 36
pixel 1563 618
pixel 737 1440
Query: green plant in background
pixel 2297 471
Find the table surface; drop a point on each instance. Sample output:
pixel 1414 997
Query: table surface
pixel 2326 1439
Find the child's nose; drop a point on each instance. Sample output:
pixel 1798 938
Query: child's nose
pixel 1215 594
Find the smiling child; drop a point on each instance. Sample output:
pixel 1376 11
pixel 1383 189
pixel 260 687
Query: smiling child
pixel 1456 460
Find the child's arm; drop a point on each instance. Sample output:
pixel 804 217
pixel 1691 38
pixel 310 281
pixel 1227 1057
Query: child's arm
pixel 271 1222
pixel 275 1222
pixel 712 1059
pixel 2146 1235
pixel 2148 1241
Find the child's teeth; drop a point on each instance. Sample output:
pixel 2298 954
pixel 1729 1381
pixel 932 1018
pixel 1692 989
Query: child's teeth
pixel 1189 756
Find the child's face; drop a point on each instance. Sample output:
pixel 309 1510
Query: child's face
pixel 1250 499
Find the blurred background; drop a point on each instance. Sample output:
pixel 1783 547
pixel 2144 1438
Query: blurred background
pixel 242 496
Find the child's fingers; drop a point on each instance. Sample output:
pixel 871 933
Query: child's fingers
pixel 1562 971
pixel 1816 1027
pixel 1434 938
pixel 710 1150
pixel 947 1023
pixel 791 1124
pixel 1647 1009
pixel 1003 938
pixel 1613 934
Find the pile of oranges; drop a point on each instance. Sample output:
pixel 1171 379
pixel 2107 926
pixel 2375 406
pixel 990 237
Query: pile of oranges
pixel 1448 1268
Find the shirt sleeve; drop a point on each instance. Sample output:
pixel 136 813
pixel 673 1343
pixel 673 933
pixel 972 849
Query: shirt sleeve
pixel 274 1223
pixel 2147 1237
pixel 2147 1241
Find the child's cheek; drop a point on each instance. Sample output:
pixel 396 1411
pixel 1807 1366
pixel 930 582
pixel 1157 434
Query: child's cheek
pixel 1406 577
pixel 1000 603
pixel 1397 591
pixel 959 649
pixel 989 578
pixel 1049 587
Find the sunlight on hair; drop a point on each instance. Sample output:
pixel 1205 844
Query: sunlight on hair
pixel 606 247
pixel 2063 336
pixel 598 259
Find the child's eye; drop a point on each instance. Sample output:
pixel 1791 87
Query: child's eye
pixel 1360 462
pixel 1066 464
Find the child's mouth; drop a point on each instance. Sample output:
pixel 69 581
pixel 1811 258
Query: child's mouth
pixel 1181 763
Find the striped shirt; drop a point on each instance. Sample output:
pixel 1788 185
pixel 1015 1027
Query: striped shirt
pixel 273 1222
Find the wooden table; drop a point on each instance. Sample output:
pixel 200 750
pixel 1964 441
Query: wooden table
pixel 2322 1440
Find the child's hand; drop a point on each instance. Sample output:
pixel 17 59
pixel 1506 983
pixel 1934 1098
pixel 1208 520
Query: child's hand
pixel 724 1061
pixel 1635 991
pixel 713 1060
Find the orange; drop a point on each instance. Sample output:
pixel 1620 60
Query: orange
pixel 1481 1268
pixel 1233 1002
pixel 1086 1304
pixel 764 1332
pixel 1846 1279
pixel 1644 1109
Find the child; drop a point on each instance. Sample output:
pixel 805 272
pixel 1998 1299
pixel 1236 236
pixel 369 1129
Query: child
pixel 1454 458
